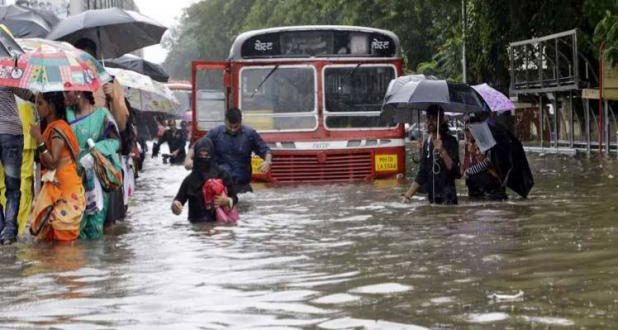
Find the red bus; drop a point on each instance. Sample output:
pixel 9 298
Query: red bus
pixel 314 94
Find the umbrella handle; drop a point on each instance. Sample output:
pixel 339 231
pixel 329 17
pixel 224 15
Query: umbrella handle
pixel 438 126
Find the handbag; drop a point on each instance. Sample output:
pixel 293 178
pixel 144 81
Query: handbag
pixel 109 176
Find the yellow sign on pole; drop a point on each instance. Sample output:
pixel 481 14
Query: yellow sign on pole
pixel 590 93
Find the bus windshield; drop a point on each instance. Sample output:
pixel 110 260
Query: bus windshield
pixel 279 98
pixel 353 95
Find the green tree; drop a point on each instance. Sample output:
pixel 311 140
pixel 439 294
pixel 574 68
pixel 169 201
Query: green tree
pixel 430 31
pixel 606 37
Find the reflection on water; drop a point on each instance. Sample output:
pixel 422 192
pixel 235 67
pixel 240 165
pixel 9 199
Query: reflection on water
pixel 335 257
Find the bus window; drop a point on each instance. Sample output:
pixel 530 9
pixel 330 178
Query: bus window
pixel 210 98
pixel 184 98
pixel 278 98
pixel 353 95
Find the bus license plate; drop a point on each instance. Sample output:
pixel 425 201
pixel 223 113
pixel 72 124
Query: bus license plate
pixel 256 162
pixel 386 163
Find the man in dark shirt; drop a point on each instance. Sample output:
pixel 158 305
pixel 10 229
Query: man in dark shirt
pixel 191 188
pixel 439 164
pixel 234 143
pixel 176 140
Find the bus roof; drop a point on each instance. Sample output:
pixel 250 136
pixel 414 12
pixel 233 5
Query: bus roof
pixel 179 85
pixel 318 41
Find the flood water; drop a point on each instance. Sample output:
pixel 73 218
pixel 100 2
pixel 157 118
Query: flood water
pixel 336 257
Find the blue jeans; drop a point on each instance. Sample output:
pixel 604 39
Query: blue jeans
pixel 11 147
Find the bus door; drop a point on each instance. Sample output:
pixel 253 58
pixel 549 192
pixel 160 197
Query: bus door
pixel 211 95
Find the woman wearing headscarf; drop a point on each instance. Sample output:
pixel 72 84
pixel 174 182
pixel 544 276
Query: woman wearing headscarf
pixel 204 168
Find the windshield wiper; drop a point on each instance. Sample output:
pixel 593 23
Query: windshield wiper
pixel 264 80
pixel 351 74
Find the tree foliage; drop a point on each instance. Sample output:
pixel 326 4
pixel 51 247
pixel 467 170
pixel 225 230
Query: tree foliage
pixel 606 37
pixel 431 32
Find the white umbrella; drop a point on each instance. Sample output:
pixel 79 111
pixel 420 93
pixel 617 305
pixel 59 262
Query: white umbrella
pixel 144 93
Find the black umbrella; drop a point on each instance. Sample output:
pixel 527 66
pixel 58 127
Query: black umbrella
pixel 408 94
pixel 23 22
pixel 115 31
pixel 139 65
pixel 508 155
pixel 47 15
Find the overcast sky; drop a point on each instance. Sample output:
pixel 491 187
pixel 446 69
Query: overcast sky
pixel 167 13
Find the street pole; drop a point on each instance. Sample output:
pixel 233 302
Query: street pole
pixel 600 115
pixel 463 41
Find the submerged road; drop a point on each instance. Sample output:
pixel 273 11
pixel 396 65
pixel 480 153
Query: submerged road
pixel 335 257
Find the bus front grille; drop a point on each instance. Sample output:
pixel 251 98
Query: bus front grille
pixel 322 167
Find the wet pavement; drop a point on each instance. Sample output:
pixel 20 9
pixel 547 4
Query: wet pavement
pixel 336 257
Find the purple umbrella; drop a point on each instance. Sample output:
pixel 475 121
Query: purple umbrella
pixel 187 116
pixel 497 101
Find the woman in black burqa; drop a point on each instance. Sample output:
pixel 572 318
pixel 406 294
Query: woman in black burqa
pixel 204 168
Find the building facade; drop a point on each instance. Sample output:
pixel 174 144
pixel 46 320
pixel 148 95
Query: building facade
pixel 77 6
pixel 64 8
pixel 59 7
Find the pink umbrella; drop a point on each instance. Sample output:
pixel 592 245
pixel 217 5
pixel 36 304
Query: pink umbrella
pixel 497 101
pixel 187 116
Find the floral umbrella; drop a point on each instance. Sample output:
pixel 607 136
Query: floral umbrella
pixel 31 44
pixel 497 101
pixel 144 93
pixel 48 66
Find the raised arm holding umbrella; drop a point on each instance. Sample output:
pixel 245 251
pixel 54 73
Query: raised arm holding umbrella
pixel 439 164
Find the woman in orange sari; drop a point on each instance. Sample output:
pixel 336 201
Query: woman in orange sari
pixel 59 207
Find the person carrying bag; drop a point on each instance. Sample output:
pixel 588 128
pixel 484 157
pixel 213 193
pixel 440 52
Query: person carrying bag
pixel 109 176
